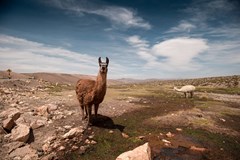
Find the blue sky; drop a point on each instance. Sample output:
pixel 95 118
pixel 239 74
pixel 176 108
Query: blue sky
pixel 142 38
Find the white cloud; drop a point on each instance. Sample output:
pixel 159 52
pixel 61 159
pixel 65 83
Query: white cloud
pixel 184 26
pixel 172 54
pixel 137 42
pixel 180 51
pixel 119 16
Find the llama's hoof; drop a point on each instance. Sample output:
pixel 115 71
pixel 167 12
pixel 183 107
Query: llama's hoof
pixel 85 117
pixel 89 124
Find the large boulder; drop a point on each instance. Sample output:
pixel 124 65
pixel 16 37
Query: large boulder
pixel 142 152
pixel 21 133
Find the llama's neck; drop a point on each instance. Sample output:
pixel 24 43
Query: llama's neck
pixel 179 90
pixel 101 82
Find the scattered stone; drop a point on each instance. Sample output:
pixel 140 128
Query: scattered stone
pixel 20 133
pixel 7 136
pixel 43 110
pixel 93 142
pixel 73 132
pixel 111 131
pixel 38 123
pixel 67 127
pixel 17 158
pixel 83 148
pixel 61 148
pixel 194 148
pixel 50 139
pixel 166 141
pixel 223 120
pixel 169 135
pixel 46 148
pixel 52 107
pixel 74 148
pixel 179 129
pixel 142 152
pixel 125 135
pixel 50 156
pixel 91 137
pixel 87 141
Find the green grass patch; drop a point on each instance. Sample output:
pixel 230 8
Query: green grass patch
pixel 227 146
pixel 59 88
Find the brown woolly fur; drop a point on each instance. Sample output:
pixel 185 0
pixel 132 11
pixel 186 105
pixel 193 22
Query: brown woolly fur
pixel 90 92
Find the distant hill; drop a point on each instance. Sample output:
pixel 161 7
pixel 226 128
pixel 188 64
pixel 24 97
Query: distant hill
pixel 62 78
pixel 4 75
pixel 59 77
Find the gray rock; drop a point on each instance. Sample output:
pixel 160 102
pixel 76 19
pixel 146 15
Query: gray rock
pixel 8 123
pixel 13 145
pixel 142 152
pixel 23 152
pixel 38 123
pixel 73 132
pixel 21 133
pixel 13 113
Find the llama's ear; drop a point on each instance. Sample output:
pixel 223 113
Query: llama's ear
pixel 107 60
pixel 99 60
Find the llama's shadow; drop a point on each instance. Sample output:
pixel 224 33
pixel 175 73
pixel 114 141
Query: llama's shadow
pixel 102 121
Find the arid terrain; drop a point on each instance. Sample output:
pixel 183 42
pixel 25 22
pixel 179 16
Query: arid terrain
pixel 40 119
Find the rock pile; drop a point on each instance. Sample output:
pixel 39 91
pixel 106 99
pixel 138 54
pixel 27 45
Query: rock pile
pixel 31 123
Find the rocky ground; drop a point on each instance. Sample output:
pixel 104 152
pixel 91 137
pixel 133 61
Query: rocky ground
pixel 36 121
pixel 41 120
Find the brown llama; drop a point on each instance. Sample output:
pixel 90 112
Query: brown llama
pixel 90 92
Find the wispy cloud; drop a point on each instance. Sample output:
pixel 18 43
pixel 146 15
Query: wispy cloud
pixel 22 55
pixel 119 16
pixel 203 11
pixel 184 26
pixel 27 56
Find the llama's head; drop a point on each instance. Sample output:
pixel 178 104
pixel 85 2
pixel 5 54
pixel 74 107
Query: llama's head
pixel 103 66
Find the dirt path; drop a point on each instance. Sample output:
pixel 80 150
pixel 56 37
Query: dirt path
pixel 220 97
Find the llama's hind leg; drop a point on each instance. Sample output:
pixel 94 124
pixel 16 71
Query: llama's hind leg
pixel 191 93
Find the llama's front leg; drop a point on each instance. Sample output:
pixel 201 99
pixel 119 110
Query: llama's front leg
pixel 89 113
pixel 185 94
pixel 82 112
pixel 96 109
